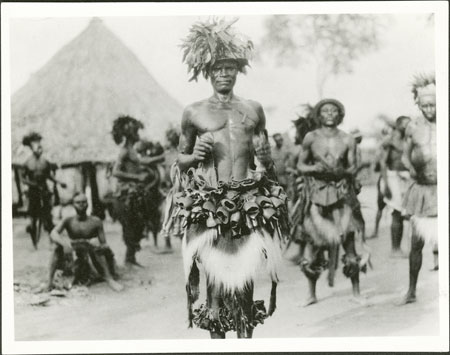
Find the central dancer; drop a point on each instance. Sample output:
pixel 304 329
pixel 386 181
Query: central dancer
pixel 232 208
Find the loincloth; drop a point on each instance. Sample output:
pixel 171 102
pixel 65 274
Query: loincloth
pixel 86 267
pixel 234 231
pixel 313 211
pixel 326 192
pixel 398 183
pixel 421 200
pixel 134 201
pixel 39 201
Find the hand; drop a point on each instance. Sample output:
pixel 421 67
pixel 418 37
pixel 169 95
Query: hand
pixel 67 247
pixel 202 150
pixel 142 177
pixel 318 168
pixel 262 152
pixel 413 172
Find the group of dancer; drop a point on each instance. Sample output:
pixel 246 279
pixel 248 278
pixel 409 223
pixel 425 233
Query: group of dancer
pixel 229 198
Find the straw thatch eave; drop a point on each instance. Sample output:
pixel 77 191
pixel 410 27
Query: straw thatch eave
pixel 74 98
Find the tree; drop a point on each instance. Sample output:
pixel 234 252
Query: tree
pixel 331 42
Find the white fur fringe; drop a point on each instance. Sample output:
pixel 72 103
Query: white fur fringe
pixel 233 272
pixel 426 228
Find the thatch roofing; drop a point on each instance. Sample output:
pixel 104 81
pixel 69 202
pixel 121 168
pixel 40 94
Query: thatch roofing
pixel 73 100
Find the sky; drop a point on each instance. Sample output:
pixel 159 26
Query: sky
pixel 379 84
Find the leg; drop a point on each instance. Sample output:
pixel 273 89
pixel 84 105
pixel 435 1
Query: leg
pixel 107 274
pixel 311 275
pixel 214 302
pixel 351 263
pixel 333 258
pixel 247 305
pixel 415 263
pixel 396 233
pixel 56 259
pixel 47 213
pixel 380 205
pixel 435 258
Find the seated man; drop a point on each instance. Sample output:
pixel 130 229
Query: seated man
pixel 87 239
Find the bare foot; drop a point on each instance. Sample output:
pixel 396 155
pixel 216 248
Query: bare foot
pixel 131 264
pixel 359 300
pixel 409 298
pixel 310 301
pixel 398 254
pixel 114 285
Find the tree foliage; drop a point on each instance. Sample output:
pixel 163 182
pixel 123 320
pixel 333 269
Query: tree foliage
pixel 332 43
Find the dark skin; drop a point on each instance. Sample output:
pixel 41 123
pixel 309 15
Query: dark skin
pixel 391 159
pixel 232 121
pixel 420 157
pixel 281 157
pixel 130 166
pixel 330 151
pixel 81 229
pixel 37 171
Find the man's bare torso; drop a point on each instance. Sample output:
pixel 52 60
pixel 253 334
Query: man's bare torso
pixel 424 149
pixel 37 170
pixel 232 126
pixel 82 229
pixel 395 151
pixel 331 151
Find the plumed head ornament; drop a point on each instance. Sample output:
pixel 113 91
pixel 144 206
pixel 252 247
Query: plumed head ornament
pixel 123 126
pixel 211 41
pixel 31 137
pixel 423 85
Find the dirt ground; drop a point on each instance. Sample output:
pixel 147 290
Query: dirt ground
pixel 153 304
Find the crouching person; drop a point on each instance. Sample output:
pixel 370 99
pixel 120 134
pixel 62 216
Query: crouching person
pixel 87 240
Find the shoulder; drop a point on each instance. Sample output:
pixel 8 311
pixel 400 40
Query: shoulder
pixel 191 110
pixel 255 105
pixel 346 137
pixel 412 127
pixel 195 107
pixel 95 220
pixel 66 221
pixel 310 137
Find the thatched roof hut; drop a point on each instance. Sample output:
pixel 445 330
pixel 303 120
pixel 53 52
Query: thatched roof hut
pixel 74 98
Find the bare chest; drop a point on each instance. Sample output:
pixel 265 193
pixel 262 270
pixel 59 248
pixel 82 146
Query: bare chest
pixel 86 229
pixel 234 119
pixel 330 148
pixel 38 169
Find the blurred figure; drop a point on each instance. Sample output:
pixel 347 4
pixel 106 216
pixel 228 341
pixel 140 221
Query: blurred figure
pixel 385 136
pixel 87 240
pixel 357 213
pixel 155 197
pixel 420 158
pixel 280 156
pixel 37 170
pixel 170 154
pixel 171 226
pixel 133 177
pixel 394 181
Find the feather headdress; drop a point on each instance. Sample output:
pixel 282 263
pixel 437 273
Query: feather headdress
pixel 31 137
pixel 211 41
pixel 423 85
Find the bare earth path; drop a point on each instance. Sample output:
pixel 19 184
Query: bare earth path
pixel 153 304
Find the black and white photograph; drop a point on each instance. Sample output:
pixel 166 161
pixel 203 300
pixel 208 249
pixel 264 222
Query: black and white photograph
pixel 272 174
